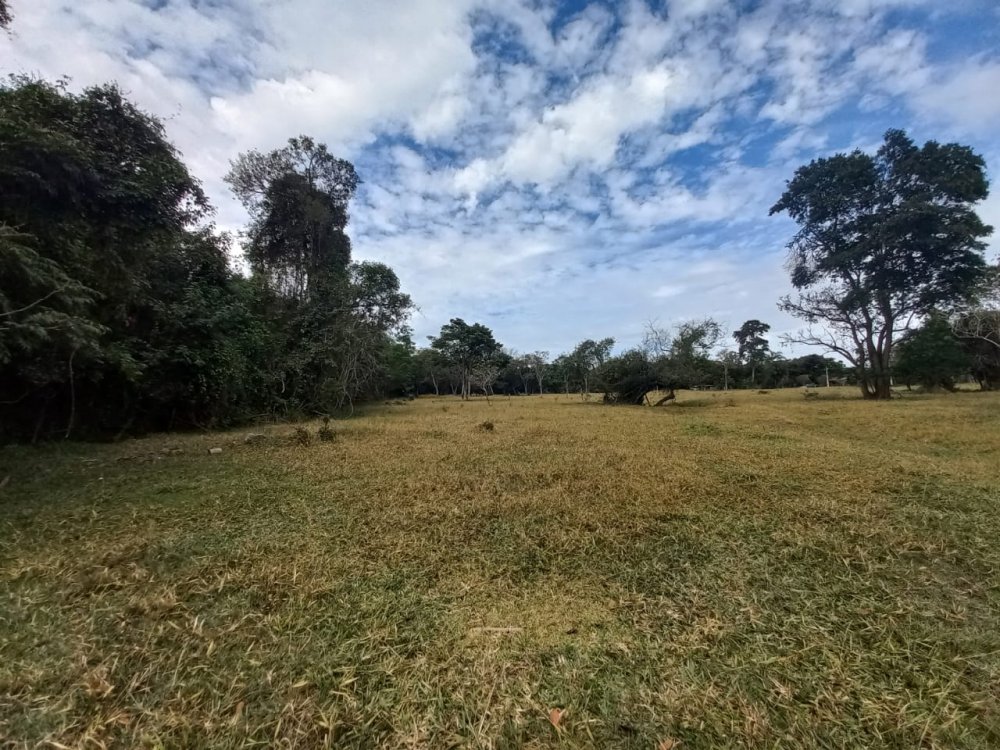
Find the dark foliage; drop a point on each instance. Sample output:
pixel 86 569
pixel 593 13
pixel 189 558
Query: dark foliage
pixel 931 356
pixel 883 239
pixel 118 309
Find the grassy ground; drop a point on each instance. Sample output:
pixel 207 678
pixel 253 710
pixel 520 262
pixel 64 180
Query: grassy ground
pixel 746 570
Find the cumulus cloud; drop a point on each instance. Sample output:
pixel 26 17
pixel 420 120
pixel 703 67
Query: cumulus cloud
pixel 558 172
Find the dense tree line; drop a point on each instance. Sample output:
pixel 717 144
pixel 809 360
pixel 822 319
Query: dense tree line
pixel 466 359
pixel 119 310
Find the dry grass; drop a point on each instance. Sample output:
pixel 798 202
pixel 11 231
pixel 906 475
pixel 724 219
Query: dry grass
pixel 738 570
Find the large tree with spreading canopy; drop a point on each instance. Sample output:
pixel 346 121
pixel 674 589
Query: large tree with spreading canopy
pixel 883 239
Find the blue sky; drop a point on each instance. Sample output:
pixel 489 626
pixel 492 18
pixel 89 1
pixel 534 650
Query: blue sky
pixel 557 171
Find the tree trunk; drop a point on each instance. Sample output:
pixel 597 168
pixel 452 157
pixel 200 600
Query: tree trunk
pixel 669 397
pixel 876 386
pixel 883 385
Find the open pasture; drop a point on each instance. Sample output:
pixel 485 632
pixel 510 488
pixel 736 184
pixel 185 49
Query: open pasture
pixel 739 569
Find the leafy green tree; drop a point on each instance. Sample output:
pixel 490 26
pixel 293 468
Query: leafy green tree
pixel 401 366
pixel 931 356
pixel 730 362
pixel 562 370
pixel 431 369
pixel 469 347
pixel 97 205
pixel 334 319
pixel 525 372
pixel 882 239
pixel 978 332
pixel 45 326
pixel 586 359
pixel 333 344
pixel 297 197
pixel 667 361
pixel 118 308
pixel 628 377
pixel 753 346
pixel 811 368
pixel 688 357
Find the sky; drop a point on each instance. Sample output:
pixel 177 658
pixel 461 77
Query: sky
pixel 555 170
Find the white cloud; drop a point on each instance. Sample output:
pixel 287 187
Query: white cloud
pixel 966 97
pixel 556 175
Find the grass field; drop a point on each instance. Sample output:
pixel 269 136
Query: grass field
pixel 736 570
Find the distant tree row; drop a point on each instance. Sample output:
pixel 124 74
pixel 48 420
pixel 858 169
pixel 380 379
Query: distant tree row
pixel 466 359
pixel 889 267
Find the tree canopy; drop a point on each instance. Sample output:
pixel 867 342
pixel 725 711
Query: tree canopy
pixel 753 346
pixel 118 308
pixel 883 239
pixel 931 356
pixel 469 347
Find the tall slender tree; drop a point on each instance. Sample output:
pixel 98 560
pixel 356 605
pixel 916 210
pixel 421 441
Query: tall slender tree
pixel 753 346
pixel 298 198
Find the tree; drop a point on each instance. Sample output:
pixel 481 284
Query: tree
pixel 667 361
pixel 563 369
pixel 753 346
pixel 631 375
pixel 100 212
pixel 469 347
pixel 931 356
pixel 45 323
pixel 683 353
pixel 537 362
pixel 5 16
pixel 978 332
pixel 882 240
pixel 527 368
pixel 586 358
pixel 431 368
pixel 297 197
pixel 402 374
pixel 118 309
pixel 729 361
pixel 690 348
pixel 337 339
pixel 333 319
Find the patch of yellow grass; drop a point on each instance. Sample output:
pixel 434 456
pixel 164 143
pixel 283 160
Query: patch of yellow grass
pixel 736 569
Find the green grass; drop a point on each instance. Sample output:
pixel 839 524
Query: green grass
pixel 754 570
